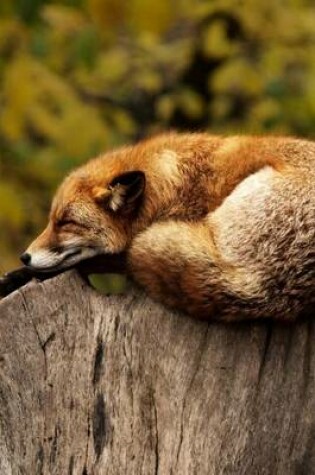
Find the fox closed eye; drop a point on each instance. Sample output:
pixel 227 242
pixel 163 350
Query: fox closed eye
pixel 65 222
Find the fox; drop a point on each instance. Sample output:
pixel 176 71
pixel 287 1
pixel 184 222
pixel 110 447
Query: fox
pixel 218 227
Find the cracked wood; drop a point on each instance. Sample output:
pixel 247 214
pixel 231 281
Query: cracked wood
pixel 119 385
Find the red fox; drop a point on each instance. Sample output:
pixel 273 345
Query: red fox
pixel 220 228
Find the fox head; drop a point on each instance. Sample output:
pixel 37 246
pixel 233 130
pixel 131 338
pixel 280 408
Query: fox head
pixel 91 214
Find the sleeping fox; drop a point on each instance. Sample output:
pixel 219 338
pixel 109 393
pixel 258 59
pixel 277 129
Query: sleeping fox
pixel 220 228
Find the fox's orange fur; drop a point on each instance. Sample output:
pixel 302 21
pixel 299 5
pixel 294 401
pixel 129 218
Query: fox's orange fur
pixel 217 227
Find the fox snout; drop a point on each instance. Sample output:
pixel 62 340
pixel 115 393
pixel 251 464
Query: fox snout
pixel 49 252
pixel 47 259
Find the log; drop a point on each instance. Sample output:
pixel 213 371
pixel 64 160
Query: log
pixel 101 385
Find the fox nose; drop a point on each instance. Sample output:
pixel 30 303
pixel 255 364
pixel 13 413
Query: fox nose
pixel 25 258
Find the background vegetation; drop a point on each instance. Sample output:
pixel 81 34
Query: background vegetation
pixel 78 77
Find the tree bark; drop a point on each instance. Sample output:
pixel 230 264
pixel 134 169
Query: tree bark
pixel 101 385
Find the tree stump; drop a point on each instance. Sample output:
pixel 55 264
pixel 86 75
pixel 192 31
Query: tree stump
pixel 101 385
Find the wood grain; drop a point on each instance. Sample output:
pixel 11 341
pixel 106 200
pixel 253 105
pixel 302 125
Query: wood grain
pixel 101 385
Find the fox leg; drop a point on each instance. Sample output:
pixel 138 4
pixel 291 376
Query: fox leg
pixel 179 265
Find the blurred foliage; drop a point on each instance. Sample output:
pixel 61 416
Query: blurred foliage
pixel 78 77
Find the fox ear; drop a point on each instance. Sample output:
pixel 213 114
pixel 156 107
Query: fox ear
pixel 124 192
pixel 127 190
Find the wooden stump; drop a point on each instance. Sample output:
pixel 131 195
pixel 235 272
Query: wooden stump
pixel 118 385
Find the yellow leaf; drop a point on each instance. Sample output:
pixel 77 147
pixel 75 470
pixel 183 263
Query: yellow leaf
pixel 237 75
pixel 107 14
pixel 191 102
pixel 123 121
pixel 61 17
pixel 155 17
pixel 215 42
pixel 165 106
pixel 12 210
